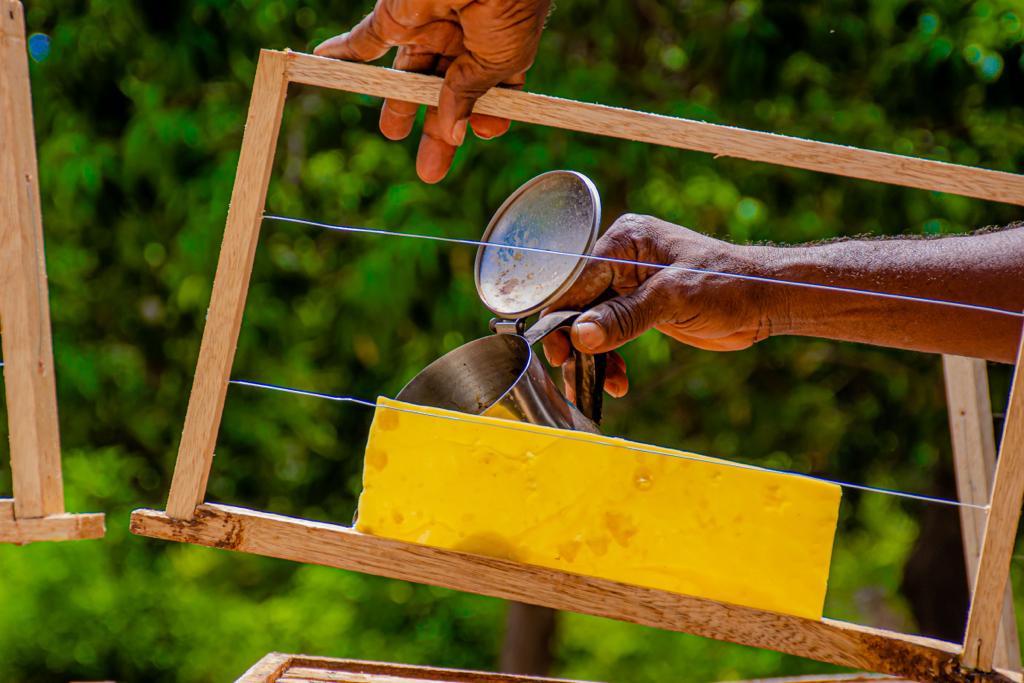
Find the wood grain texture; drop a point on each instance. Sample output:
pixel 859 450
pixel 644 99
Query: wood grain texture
pixel 230 287
pixel 62 527
pixel 277 667
pixel 974 459
pixel 304 669
pixel 1000 533
pixel 269 669
pixel 232 528
pixel 668 131
pixel 24 302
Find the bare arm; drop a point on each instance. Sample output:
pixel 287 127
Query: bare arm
pixel 985 269
pixel 725 314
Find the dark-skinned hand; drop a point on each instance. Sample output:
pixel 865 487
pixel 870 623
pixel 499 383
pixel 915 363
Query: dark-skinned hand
pixel 473 44
pixel 706 311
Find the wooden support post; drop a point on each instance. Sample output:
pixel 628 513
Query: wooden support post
pixel 974 458
pixel 24 303
pixel 987 599
pixel 230 287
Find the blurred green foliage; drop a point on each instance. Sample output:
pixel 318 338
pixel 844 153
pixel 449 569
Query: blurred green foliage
pixel 139 112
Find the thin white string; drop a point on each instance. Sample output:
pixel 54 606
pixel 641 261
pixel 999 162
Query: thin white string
pixel 623 443
pixel 645 264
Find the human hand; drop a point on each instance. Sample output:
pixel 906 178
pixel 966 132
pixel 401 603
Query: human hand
pixel 706 311
pixel 474 44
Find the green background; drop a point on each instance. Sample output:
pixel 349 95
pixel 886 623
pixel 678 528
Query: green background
pixel 139 112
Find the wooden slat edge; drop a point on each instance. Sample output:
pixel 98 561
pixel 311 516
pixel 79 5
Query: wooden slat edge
pixel 230 287
pixel 836 678
pixel 64 527
pixel 974 458
pixel 260 533
pixel 267 670
pixel 33 429
pixel 304 664
pixel 1000 532
pixel 729 141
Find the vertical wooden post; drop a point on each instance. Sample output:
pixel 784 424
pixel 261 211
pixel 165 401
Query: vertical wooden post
pixel 974 458
pixel 1000 533
pixel 24 302
pixel 230 287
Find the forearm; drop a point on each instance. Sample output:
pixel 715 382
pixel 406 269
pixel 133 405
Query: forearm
pixel 984 269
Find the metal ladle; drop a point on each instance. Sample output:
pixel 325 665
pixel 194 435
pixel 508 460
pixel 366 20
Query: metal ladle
pixel 558 211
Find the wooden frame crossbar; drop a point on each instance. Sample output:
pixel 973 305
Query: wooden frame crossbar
pixel 36 512
pixel 188 519
pixel 286 668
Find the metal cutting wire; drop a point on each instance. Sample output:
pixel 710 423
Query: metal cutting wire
pixel 623 443
pixel 633 446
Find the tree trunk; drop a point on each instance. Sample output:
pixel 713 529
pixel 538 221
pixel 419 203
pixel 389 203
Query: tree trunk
pixel 529 635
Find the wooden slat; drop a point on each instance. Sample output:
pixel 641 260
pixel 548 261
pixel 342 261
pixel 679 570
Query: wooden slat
pixel 974 458
pixel 327 669
pixel 267 670
pixel 305 667
pixel 62 527
pixel 230 287
pixel 828 678
pixel 1000 533
pixel 332 669
pixel 24 302
pixel 232 528
pixel 668 131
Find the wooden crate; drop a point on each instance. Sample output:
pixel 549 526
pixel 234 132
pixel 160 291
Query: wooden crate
pixel 36 513
pixel 982 656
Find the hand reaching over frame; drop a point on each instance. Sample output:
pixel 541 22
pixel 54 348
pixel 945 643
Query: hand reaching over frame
pixel 473 44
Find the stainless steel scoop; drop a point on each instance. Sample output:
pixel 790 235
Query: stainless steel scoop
pixel 559 211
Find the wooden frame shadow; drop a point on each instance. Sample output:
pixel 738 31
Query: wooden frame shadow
pixel 188 519
pixel 36 512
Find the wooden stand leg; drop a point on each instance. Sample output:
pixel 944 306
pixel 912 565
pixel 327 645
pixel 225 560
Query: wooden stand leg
pixel 230 287
pixel 974 457
pixel 24 303
pixel 1000 533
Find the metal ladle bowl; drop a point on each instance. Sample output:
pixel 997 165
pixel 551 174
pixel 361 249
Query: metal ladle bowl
pixel 497 376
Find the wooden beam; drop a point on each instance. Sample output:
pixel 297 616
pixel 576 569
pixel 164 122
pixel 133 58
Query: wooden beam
pixel 260 533
pixel 974 459
pixel 24 303
pixel 668 131
pixel 1000 533
pixel 230 287
pixel 62 527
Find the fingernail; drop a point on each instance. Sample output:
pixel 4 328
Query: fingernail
pixel 459 131
pixel 615 389
pixel 590 335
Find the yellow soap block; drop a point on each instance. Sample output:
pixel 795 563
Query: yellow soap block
pixel 595 505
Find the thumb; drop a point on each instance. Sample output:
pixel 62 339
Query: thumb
pixel 465 81
pixel 611 324
pixel 364 43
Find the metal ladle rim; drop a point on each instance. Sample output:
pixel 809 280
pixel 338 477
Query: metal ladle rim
pixel 580 264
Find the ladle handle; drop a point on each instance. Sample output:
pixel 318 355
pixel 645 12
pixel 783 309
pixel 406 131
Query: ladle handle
pixel 589 377
pixel 589 383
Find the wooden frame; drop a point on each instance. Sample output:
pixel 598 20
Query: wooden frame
pixel 277 667
pixel 36 513
pixel 188 519
pixel 286 668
